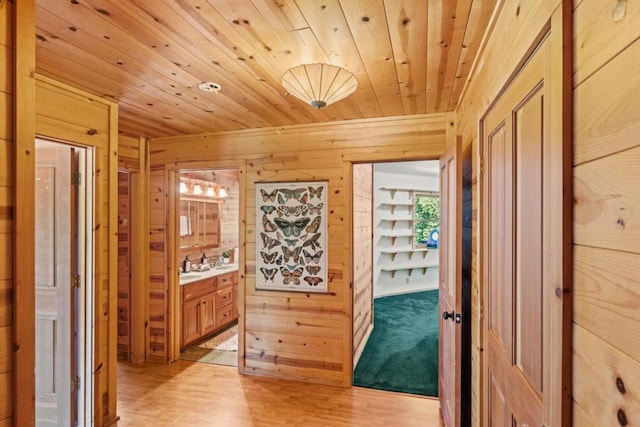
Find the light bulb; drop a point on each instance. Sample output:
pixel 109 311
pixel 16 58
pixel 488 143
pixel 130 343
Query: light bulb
pixel 222 192
pixel 183 187
pixel 197 189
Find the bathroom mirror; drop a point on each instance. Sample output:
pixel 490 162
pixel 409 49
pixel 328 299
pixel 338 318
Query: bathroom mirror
pixel 199 223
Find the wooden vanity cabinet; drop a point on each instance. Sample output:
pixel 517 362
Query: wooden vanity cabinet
pixel 208 306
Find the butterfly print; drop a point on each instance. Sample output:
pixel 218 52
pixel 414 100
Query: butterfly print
pixel 291 242
pixel 268 242
pixel 315 210
pixel 313 281
pixel 281 199
pixel 291 253
pixel 268 196
pixel 303 200
pixel 267 209
pixel 268 225
pixel 291 267
pixel 313 269
pixel 290 228
pixel 315 192
pixel 315 258
pixel 313 242
pixel 269 258
pixel 313 227
pixel 291 276
pixel 268 273
pixel 296 194
pixel 292 210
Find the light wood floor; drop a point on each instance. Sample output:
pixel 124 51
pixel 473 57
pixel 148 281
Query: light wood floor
pixel 197 394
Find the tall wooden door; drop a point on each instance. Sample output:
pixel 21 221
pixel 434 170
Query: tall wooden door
pixel 54 273
pixel 522 250
pixel 450 284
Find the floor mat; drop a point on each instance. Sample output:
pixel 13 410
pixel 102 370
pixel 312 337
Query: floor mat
pixel 219 350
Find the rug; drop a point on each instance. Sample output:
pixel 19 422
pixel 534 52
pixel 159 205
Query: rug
pixel 224 341
pixel 402 351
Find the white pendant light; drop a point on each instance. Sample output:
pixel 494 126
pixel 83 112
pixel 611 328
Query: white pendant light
pixel 319 84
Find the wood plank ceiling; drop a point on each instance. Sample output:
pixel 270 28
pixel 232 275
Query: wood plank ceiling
pixel 409 57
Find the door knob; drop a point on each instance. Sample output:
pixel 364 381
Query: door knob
pixel 446 315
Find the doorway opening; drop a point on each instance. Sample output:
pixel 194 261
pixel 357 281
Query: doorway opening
pixel 207 224
pixel 64 284
pixel 396 276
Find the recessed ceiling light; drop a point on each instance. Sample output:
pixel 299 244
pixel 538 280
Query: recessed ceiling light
pixel 209 87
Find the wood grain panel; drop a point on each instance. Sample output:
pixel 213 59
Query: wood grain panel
pixel 607 296
pixel 607 114
pixel 321 152
pixel 600 35
pixel 603 380
pixel 362 261
pixel 606 204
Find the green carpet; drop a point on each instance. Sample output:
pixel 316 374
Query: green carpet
pixel 402 351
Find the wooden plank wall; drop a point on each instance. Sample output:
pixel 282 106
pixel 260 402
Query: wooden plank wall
pixel 362 257
pixel 132 158
pixel 157 344
pixel 296 335
pixel 513 28
pixel 6 214
pixel 124 265
pixel 606 213
pixel 66 114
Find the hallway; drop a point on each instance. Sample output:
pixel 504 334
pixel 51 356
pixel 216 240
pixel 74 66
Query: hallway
pixel 197 394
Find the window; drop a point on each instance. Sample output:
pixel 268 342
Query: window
pixel 426 219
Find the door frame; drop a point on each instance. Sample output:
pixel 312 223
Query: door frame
pixel 558 32
pixel 451 138
pixel 173 323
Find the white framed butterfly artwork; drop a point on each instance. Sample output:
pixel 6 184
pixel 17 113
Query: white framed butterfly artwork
pixel 291 238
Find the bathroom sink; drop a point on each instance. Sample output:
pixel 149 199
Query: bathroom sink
pixel 190 276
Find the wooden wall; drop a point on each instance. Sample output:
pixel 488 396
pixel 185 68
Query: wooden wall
pixel 607 213
pixel 124 265
pixel 133 160
pixel 295 335
pixel 362 257
pixel 6 214
pixel 66 114
pixel 513 28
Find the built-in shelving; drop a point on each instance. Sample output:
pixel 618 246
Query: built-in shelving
pixel 402 226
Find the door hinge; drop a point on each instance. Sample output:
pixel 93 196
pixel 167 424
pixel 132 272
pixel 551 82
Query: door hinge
pixel 481 165
pixel 75 383
pixel 75 281
pixel 76 178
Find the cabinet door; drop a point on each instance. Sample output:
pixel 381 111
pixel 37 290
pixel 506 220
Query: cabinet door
pixel 208 307
pixel 191 329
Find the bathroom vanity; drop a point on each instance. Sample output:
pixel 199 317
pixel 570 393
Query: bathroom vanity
pixel 209 302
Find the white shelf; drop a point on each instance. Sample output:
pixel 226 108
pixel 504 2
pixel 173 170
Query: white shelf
pixel 394 252
pixel 424 266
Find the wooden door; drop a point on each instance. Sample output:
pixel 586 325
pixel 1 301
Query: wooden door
pixel 450 284
pixel 522 251
pixel 54 271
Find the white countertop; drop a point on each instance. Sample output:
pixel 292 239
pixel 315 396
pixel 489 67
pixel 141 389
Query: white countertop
pixel 194 276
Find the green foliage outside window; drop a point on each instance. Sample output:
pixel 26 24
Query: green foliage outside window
pixel 426 217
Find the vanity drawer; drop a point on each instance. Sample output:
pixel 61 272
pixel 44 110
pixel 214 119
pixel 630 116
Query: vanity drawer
pixel 224 297
pixel 224 315
pixel 226 279
pixel 198 289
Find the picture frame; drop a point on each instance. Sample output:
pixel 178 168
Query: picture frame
pixel 291 236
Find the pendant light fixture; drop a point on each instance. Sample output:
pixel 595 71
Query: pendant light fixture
pixel 319 84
